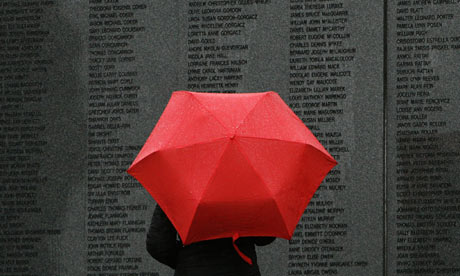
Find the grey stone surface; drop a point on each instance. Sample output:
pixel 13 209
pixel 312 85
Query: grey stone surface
pixel 423 137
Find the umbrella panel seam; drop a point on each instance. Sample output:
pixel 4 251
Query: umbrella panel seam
pixel 252 110
pixel 207 110
pixel 168 141
pixel 262 180
pixel 206 186
pixel 287 141
pixel 177 148
pixel 191 145
pixel 272 139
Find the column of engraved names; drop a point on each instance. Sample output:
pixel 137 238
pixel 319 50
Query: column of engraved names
pixel 427 200
pixel 217 51
pixel 113 89
pixel 23 67
pixel 319 70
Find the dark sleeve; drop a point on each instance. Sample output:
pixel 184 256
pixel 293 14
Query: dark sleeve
pixel 261 241
pixel 161 239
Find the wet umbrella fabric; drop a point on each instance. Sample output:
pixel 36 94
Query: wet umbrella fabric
pixel 230 165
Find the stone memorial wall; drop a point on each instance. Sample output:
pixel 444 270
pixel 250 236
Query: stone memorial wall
pixel 423 138
pixel 82 84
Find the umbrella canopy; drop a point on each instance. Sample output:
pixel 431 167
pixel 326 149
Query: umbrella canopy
pixel 229 165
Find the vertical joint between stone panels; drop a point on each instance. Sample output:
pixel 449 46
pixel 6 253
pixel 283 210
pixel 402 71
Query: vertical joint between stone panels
pixel 385 138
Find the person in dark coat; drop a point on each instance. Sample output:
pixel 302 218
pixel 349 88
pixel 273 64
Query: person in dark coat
pixel 212 257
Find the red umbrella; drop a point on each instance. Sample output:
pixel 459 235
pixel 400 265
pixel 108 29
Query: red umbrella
pixel 229 165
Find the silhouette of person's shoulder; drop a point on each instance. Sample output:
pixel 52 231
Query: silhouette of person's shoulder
pixel 211 257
